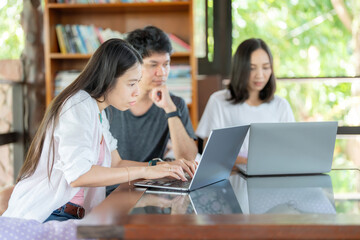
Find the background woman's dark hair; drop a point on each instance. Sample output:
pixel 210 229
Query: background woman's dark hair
pixel 110 61
pixel 149 40
pixel 240 72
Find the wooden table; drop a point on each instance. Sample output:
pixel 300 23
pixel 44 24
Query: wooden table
pixel 111 219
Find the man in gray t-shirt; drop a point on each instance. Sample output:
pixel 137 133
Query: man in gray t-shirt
pixel 144 137
pixel 146 127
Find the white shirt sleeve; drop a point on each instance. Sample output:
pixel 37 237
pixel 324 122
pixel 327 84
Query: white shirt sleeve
pixel 112 142
pixel 209 119
pixel 74 136
pixel 286 112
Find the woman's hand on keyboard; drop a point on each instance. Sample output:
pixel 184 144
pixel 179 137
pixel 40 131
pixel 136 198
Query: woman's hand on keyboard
pixel 165 170
pixel 187 166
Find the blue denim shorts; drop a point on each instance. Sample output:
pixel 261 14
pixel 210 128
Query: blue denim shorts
pixel 60 215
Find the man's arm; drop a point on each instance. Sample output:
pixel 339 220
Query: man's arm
pixel 183 145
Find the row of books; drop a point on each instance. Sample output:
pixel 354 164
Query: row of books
pixel 116 1
pixel 64 79
pixel 82 38
pixel 179 81
pixel 85 39
pixel 131 1
pixel 178 44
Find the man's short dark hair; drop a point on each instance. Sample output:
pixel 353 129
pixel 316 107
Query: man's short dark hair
pixel 149 40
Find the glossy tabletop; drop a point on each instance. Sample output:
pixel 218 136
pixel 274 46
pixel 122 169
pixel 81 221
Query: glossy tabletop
pixel 302 207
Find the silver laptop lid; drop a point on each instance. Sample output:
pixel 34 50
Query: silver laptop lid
pixel 291 148
pixel 219 155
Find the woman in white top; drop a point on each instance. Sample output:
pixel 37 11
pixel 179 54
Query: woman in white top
pixel 249 97
pixel 73 155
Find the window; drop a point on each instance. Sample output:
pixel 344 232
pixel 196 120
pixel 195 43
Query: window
pixel 313 55
pixel 316 59
pixel 12 43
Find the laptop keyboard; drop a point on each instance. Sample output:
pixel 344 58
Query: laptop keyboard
pixel 169 182
pixel 175 183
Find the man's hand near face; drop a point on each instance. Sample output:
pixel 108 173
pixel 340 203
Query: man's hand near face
pixel 161 97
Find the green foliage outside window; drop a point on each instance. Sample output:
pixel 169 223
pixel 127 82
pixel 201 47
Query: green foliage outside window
pixel 306 37
pixel 318 101
pixel 11 33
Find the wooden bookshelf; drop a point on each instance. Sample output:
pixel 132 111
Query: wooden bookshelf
pixel 172 17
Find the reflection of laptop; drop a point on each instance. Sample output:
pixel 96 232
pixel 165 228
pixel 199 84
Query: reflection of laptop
pixel 285 194
pixel 290 148
pixel 157 202
pixel 215 164
pixel 217 198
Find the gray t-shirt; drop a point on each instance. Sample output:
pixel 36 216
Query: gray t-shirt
pixel 142 138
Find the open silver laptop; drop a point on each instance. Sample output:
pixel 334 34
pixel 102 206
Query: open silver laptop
pixel 290 148
pixel 215 164
pixel 284 194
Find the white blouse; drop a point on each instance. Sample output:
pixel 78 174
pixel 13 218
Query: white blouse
pixel 77 139
pixel 220 113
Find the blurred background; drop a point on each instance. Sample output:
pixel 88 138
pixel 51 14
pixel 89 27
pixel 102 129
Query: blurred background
pixel 315 45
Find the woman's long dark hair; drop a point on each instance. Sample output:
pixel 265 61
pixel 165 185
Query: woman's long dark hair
pixel 110 61
pixel 240 72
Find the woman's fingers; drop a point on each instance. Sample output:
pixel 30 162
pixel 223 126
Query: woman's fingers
pixel 174 171
pixel 185 167
pixel 188 166
pixel 178 171
pixel 167 170
pixel 192 165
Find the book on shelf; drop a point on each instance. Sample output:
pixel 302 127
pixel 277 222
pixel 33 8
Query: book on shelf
pixel 116 1
pixel 179 82
pixel 64 79
pixel 178 44
pixel 147 1
pixel 84 39
pixel 61 40
pixel 71 39
pixel 81 39
pixel 79 42
pixel 180 70
pixel 84 1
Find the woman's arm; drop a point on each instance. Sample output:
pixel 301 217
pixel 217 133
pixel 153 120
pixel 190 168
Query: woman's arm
pixel 117 161
pixel 4 198
pixel 187 166
pixel 99 176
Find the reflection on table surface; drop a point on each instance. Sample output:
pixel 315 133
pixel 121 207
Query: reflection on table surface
pixel 346 188
pixel 315 194
pixel 218 198
pixel 284 195
pixel 347 151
